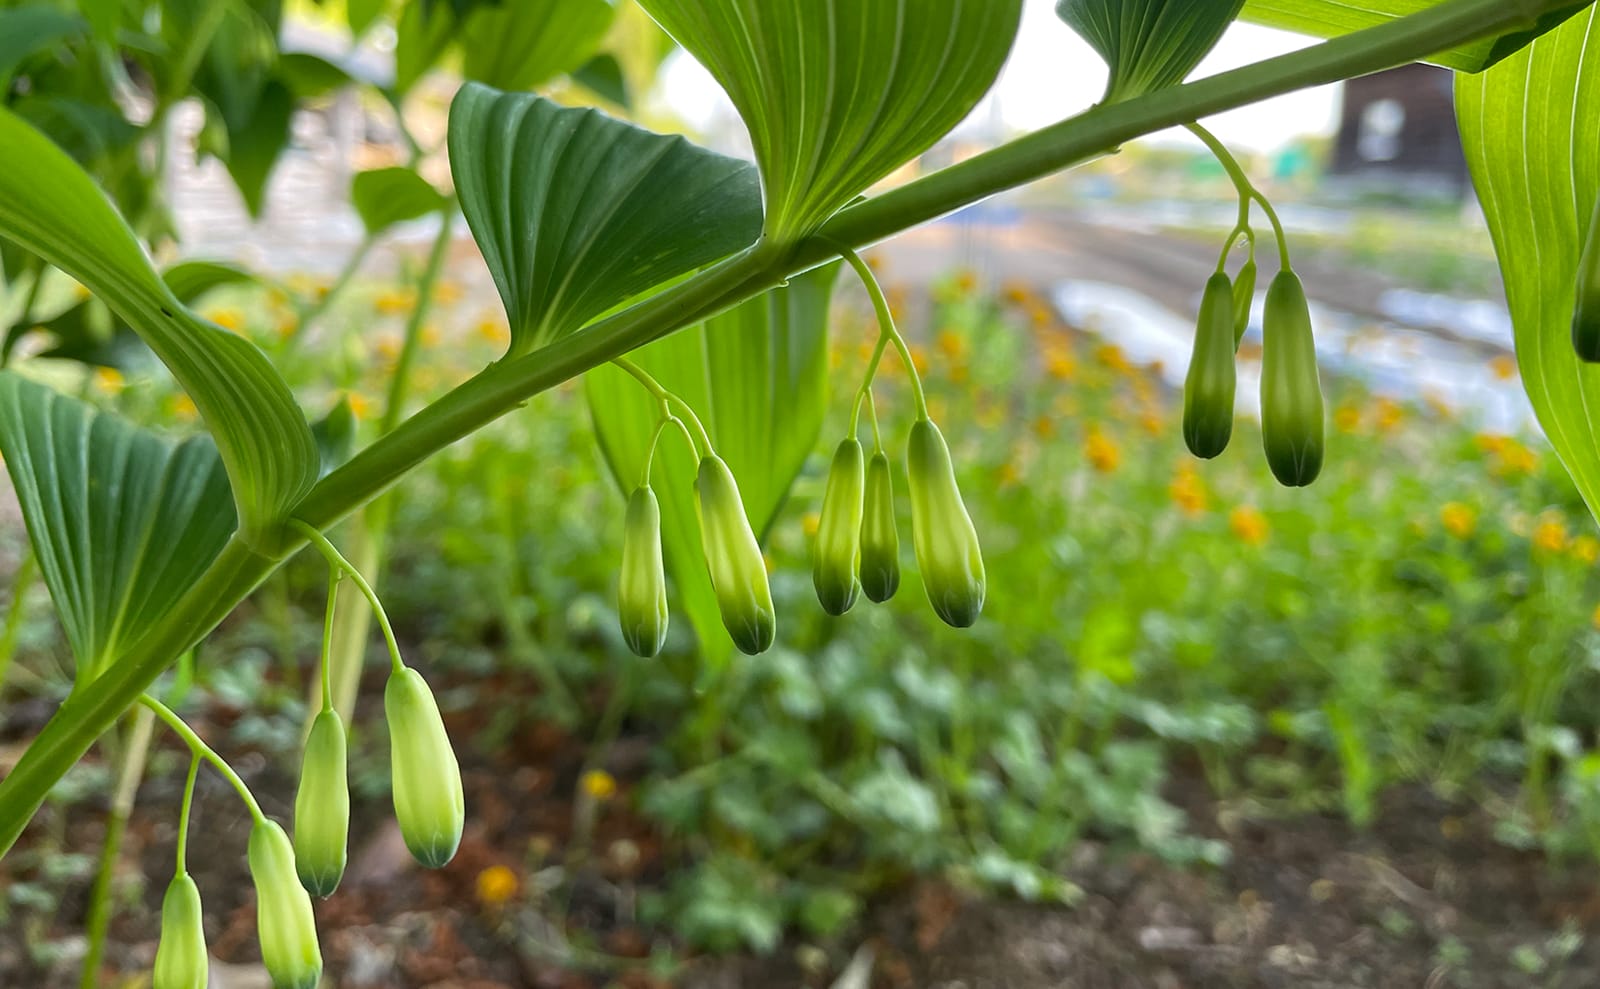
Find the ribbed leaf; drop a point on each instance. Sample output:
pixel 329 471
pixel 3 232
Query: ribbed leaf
pixel 28 29
pixel 1148 44
pixel 51 207
pixel 1331 18
pixel 839 93
pixel 122 520
pixel 575 211
pixel 1531 128
pixel 386 196
pixel 757 376
pixel 520 45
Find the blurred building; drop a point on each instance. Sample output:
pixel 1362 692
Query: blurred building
pixel 1397 132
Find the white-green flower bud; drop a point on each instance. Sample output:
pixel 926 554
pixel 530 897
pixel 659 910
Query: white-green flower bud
pixel 322 807
pixel 642 587
pixel 181 961
pixel 941 530
pixel 284 921
pixel 880 540
pixel 428 799
pixel 733 557
pixel 837 552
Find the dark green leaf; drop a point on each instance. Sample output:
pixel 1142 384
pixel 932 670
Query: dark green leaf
pixel 1531 128
pixel 422 35
pixel 1331 18
pixel 1148 44
pixel 51 207
pixel 602 76
pixel 189 280
pixel 254 147
pixel 520 45
pixel 123 521
pixel 839 93
pixel 310 76
pixel 386 196
pixel 360 14
pixel 757 375
pixel 28 30
pixel 576 211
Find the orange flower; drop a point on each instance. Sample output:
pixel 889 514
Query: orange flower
pixel 1102 452
pixel 1188 491
pixel 1248 524
pixel 1550 535
pixel 496 885
pixel 1460 520
pixel 1504 367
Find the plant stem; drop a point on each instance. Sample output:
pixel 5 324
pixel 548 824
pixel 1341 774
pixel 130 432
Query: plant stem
pixel 338 562
pixel 201 750
pixel 98 922
pixel 507 383
pixel 21 584
pixel 400 382
pixel 319 306
pixel 184 813
pixel 886 331
pixel 667 398
pixel 326 663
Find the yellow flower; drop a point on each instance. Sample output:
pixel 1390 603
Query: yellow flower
pixel 1044 427
pixel 1586 549
pixel 1040 315
pixel 360 405
pixel 228 319
pixel 1016 292
pixel 182 407
pixel 1188 491
pixel 1248 524
pixel 952 345
pixel 810 522
pixel 287 325
pixel 388 348
pixel 1110 355
pixel 958 374
pixel 966 281
pixel 1594 617
pixel 447 292
pixel 1008 474
pixel 109 379
pixel 1347 418
pixel 598 784
pixel 1550 535
pixel 1489 442
pixel 492 330
pixel 1060 366
pixel 395 302
pixel 919 357
pixel 1514 458
pixel 1152 423
pixel 1102 452
pixel 1387 414
pixel 1504 367
pixel 496 885
pixel 1460 520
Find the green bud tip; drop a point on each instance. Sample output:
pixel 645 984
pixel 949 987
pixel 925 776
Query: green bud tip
pixel 942 534
pixel 322 807
pixel 181 961
pixel 284 921
pixel 880 540
pixel 428 798
pixel 837 552
pixel 1291 391
pixel 1244 296
pixel 1209 388
pixel 642 587
pixel 733 558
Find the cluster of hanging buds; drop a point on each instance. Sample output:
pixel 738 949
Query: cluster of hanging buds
pixel 428 802
pixel 857 548
pixel 1291 389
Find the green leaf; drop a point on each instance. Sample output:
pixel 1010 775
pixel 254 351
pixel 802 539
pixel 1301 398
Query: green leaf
pixel 520 45
pixel 386 196
pixel 310 76
pixel 602 76
pixel 360 14
pixel 421 37
pixel 189 280
pixel 29 29
pixel 336 435
pixel 1331 18
pixel 255 145
pixel 123 521
pixel 1148 44
pixel 575 211
pixel 757 376
pixel 51 207
pixel 1531 129
pixel 839 93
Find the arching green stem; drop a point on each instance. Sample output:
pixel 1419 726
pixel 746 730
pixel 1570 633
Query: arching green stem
pixel 887 332
pixel 337 561
pixel 667 398
pixel 334 576
pixel 201 750
pixel 1241 182
pixel 183 813
pixel 667 419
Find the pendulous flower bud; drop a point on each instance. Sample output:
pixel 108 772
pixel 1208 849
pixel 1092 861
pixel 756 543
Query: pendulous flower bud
pixel 880 540
pixel 428 799
pixel 322 807
pixel 1208 390
pixel 284 921
pixel 946 544
pixel 733 557
pixel 837 552
pixel 181 961
pixel 1291 392
pixel 1244 296
pixel 1586 317
pixel 642 589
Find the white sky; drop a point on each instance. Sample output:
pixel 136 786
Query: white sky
pixel 1053 73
